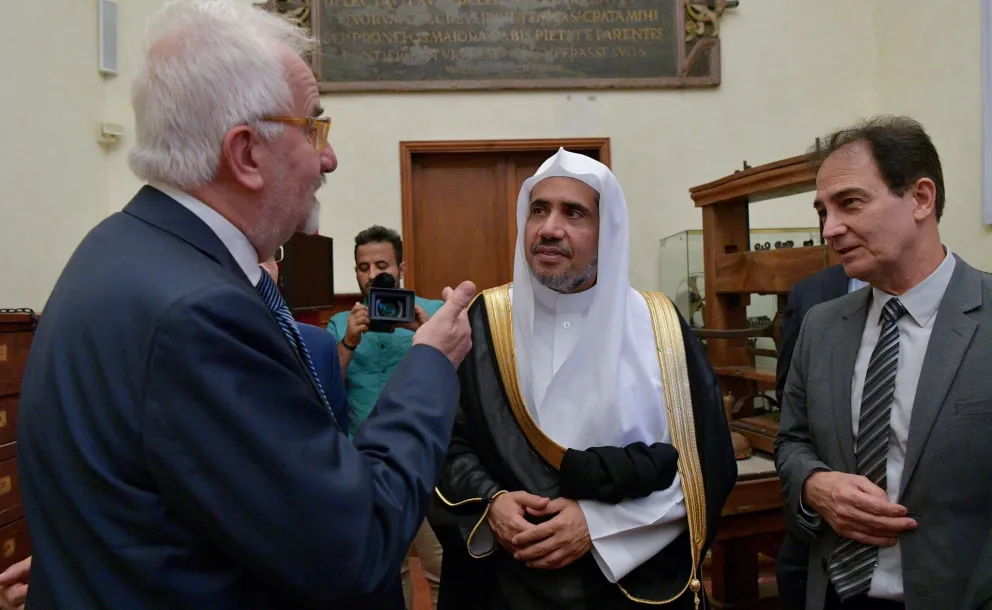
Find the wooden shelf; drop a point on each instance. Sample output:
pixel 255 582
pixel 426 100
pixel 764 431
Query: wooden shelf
pixel 767 271
pixel 779 179
pixel 760 374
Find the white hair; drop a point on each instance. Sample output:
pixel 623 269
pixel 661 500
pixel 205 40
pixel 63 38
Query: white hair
pixel 210 65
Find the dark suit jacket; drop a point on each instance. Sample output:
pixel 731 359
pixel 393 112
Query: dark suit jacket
pixel 826 285
pixel 979 595
pixel 946 483
pixel 323 351
pixel 174 453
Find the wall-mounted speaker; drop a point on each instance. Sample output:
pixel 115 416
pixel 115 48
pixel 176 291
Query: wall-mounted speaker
pixel 108 36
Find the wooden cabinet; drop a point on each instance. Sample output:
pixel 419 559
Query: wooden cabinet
pixel 752 522
pixel 734 272
pixel 16 334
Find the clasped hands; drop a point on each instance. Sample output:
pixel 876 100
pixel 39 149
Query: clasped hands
pixel 550 545
pixel 856 508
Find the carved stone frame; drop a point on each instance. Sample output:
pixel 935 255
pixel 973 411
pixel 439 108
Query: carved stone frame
pixel 698 41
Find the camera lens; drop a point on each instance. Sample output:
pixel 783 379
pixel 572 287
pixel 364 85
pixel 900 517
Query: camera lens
pixel 389 308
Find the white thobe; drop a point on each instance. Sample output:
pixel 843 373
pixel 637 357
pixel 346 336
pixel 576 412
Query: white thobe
pixel 627 534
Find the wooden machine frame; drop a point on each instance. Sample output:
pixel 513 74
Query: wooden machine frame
pixel 734 272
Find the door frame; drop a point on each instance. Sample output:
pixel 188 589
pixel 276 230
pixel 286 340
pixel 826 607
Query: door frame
pixel 418 147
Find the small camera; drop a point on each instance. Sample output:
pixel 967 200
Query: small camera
pixel 389 305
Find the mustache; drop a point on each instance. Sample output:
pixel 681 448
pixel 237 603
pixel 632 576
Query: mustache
pixel 552 244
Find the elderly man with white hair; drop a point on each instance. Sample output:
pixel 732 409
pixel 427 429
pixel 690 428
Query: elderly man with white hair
pixel 591 456
pixel 177 449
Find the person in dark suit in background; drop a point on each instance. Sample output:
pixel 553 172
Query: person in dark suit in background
pixel 176 447
pixel 826 285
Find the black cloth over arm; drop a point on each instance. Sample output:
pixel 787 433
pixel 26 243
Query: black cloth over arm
pixel 612 474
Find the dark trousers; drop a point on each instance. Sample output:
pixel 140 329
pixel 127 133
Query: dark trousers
pixel 790 572
pixel 859 603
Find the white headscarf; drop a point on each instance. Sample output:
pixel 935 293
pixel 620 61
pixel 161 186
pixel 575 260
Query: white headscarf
pixel 580 407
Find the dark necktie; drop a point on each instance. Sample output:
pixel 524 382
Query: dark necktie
pixel 853 563
pixel 273 300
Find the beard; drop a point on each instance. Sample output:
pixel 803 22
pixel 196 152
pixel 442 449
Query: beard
pixel 311 226
pixel 568 281
pixel 282 214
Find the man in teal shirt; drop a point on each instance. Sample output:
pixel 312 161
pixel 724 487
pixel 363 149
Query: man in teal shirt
pixel 368 359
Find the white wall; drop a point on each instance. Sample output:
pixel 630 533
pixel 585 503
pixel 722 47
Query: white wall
pixel 792 70
pixel 929 67
pixel 53 174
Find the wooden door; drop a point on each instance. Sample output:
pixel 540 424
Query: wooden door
pixel 459 208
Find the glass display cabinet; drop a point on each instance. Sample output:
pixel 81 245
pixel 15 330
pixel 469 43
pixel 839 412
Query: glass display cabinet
pixel 683 279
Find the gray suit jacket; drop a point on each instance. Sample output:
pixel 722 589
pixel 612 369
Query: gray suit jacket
pixel 947 480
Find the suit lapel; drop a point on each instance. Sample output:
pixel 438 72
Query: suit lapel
pixel 949 339
pixel 848 333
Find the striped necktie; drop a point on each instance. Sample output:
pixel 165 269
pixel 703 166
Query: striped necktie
pixel 853 563
pixel 273 300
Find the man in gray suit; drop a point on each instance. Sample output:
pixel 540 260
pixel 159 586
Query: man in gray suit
pixel 884 446
pixel 979 595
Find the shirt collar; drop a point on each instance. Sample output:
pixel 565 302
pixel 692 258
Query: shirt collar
pixel 560 302
pixel 232 238
pixel 921 301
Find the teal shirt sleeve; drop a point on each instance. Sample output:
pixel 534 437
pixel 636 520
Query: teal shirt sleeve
pixel 430 306
pixel 338 325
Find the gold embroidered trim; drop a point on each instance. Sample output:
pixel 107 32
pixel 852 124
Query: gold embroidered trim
pixel 453 504
pixel 681 423
pixel 485 513
pixel 501 328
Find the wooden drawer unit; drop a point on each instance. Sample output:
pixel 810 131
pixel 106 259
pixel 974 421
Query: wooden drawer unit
pixel 16 334
pixel 10 493
pixel 15 544
pixel 9 403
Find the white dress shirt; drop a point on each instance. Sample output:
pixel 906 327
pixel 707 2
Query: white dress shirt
pixel 233 239
pixel 921 304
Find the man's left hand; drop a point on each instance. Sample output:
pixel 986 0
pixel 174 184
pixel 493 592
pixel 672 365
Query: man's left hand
pixel 554 544
pixel 420 318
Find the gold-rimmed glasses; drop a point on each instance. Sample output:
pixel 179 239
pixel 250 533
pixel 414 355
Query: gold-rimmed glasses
pixel 317 128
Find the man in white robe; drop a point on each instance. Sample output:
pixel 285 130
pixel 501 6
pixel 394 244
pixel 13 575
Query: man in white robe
pixel 591 456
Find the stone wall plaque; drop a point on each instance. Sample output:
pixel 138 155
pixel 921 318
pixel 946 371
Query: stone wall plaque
pixel 431 45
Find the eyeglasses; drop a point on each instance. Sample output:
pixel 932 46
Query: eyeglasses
pixel 316 128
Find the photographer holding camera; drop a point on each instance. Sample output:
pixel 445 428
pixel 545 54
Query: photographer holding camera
pixel 372 340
